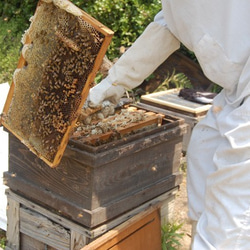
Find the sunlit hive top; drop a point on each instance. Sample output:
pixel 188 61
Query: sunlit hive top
pixel 124 122
pixel 62 50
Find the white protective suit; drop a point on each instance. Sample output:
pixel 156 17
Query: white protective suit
pixel 218 157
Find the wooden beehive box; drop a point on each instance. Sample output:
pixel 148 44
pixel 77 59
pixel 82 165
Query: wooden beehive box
pixel 94 184
pixel 31 226
pixel 62 51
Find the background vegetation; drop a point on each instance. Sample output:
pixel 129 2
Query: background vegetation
pixel 127 18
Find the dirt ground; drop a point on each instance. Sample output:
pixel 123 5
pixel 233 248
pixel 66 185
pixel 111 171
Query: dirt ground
pixel 180 215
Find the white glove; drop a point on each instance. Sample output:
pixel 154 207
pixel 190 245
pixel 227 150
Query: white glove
pixel 150 50
pixel 105 91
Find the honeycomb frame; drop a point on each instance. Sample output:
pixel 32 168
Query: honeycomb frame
pixel 62 51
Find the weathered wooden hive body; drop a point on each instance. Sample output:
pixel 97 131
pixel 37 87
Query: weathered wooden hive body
pixel 93 184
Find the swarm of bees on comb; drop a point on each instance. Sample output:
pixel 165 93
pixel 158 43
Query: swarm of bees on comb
pixel 60 49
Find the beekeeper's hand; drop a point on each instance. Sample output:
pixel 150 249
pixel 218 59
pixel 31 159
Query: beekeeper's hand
pixel 97 112
pixel 105 90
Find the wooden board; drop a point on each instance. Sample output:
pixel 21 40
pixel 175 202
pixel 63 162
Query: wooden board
pixel 31 226
pixel 142 232
pixel 169 99
pixel 63 50
pixel 4 88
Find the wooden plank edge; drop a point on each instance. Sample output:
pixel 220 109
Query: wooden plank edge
pixel 113 236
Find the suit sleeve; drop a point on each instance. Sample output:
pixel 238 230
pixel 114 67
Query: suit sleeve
pixel 151 49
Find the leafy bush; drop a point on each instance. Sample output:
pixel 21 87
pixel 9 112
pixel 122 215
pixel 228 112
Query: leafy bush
pixel 20 10
pixel 14 20
pixel 175 80
pixel 127 18
pixel 2 239
pixel 9 49
pixel 171 236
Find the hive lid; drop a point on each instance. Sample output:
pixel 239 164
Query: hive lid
pixel 62 52
pixel 170 100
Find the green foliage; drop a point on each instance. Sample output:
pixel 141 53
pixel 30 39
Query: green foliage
pixel 20 10
pixel 184 50
pixel 14 20
pixel 2 239
pixel 170 236
pixel 2 243
pixel 127 18
pixel 179 80
pixel 216 88
pixel 10 46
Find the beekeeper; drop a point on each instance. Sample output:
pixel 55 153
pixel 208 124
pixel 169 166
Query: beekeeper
pixel 219 151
